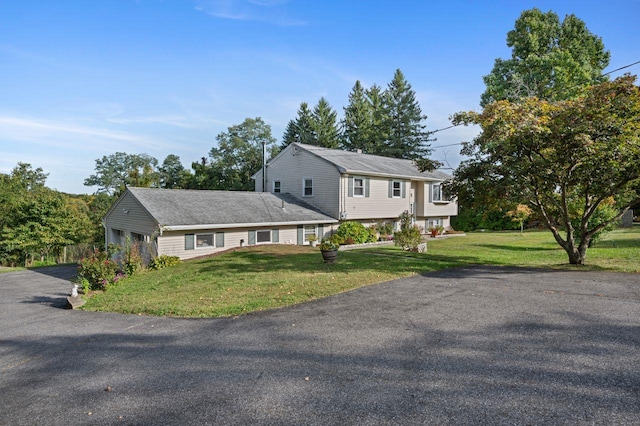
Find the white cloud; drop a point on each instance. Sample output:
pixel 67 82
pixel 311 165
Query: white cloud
pixel 270 11
pixel 170 120
pixel 43 131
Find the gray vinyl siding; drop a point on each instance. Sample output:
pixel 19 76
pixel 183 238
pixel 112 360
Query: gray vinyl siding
pixel 129 216
pixel 427 208
pixel 172 243
pixel 290 170
pixel 378 205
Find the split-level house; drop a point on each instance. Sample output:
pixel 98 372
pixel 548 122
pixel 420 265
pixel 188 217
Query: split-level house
pixel 307 190
pixel 355 186
pixel 193 223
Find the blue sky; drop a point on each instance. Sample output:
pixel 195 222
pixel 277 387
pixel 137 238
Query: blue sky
pixel 83 79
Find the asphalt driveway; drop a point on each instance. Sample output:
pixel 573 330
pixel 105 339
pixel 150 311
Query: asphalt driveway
pixel 466 346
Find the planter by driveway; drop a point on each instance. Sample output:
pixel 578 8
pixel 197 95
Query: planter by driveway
pixel 471 345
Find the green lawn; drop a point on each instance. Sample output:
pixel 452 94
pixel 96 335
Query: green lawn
pixel 267 277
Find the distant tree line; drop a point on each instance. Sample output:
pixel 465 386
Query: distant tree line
pixel 37 223
pixel 385 122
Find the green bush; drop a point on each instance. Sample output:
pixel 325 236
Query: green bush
pixel 355 233
pixel 373 235
pixel 409 238
pixel 385 229
pixel 97 271
pixel 164 261
pixel 492 220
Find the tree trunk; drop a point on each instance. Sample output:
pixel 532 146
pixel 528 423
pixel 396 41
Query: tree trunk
pixel 578 254
pixel 575 257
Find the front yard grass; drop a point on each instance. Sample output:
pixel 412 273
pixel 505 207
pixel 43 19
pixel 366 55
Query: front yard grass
pixel 266 277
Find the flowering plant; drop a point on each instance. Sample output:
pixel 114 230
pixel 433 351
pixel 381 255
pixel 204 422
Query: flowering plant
pixel 98 271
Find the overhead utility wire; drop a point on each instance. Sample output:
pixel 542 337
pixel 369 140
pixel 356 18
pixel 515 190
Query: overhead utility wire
pixel 621 68
pixel 456 125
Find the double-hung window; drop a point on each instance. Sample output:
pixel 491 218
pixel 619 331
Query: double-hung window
pixel 308 231
pixel 277 186
pixel 307 187
pixel 397 189
pixel 358 187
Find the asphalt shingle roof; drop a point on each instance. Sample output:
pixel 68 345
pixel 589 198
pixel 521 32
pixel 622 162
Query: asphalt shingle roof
pixel 179 207
pixel 367 164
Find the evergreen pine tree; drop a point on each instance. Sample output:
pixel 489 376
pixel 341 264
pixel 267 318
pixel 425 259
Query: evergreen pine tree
pixel 379 127
pixel 301 129
pixel 407 137
pixel 358 121
pixel 325 125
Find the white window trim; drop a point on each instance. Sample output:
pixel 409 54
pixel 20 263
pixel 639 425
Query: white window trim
pixel 195 241
pixel 306 235
pixel 304 187
pixel 274 186
pixel 434 221
pixel 441 200
pixel 361 187
pixel 393 189
pixel 258 231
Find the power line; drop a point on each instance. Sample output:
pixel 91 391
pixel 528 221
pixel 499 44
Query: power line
pixel 621 68
pixel 456 125
pixel 444 146
pixel 444 128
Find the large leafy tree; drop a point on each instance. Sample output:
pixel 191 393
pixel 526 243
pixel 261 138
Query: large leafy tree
pixel 36 220
pixel 98 205
pixel 171 174
pixel 239 155
pixel 550 59
pixel 570 160
pixel 117 171
pixel 25 177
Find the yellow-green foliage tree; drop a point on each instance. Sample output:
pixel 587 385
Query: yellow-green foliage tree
pixel 555 155
pixel 519 215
